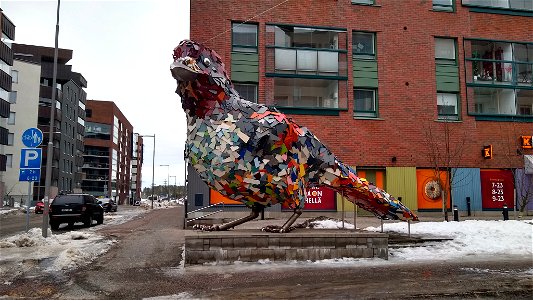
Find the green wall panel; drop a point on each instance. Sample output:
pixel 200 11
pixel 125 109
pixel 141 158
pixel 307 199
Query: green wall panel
pixel 447 78
pixel 401 182
pixel 365 73
pixel 245 67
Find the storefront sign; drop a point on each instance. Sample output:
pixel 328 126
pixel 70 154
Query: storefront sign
pixel 497 189
pixel 526 142
pixel 318 198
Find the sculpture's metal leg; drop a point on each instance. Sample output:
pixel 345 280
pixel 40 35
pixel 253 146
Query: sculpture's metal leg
pixel 291 220
pixel 254 214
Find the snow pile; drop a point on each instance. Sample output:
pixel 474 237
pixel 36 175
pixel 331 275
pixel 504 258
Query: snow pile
pixel 160 204
pixel 470 238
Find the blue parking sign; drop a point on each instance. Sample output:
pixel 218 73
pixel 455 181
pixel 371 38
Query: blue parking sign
pixel 30 164
pixel 30 158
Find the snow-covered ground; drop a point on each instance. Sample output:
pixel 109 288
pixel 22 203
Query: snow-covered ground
pixel 472 238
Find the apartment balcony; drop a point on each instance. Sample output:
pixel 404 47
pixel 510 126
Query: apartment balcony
pixel 5 81
pixel 5 108
pixel 55 172
pixel 55 153
pixel 46 92
pixel 95 178
pixel 6 54
pixel 96 153
pixel 46 131
pixel 44 112
pixel 64 72
pixel 8 28
pixel 95 166
pixel 4 134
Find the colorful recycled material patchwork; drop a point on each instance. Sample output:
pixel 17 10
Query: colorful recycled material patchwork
pixel 256 154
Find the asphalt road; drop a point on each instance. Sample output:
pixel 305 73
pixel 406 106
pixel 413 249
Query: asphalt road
pixel 146 262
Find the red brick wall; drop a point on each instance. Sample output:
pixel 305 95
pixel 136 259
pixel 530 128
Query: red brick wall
pixel 405 53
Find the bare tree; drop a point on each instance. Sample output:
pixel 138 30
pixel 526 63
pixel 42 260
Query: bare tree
pixel 513 154
pixel 445 151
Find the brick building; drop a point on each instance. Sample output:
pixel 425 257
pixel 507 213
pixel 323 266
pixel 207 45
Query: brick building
pixel 397 89
pixel 108 151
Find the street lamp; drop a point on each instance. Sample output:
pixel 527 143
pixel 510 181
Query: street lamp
pixel 168 178
pixel 175 186
pixel 153 165
pixel 48 176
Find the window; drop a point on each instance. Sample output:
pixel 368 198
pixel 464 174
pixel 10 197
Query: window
pixel 369 2
pixel 513 4
pixel 363 45
pixel 244 37
pixel 447 106
pixel 11 120
pixel 97 131
pixel 14 76
pixel 443 5
pixel 365 103
pixel 300 92
pixel 10 139
pixel 88 113
pixel 9 160
pixel 499 77
pixel 13 97
pixel 445 51
pixel 247 91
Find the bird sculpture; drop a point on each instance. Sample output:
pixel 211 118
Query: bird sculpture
pixel 255 154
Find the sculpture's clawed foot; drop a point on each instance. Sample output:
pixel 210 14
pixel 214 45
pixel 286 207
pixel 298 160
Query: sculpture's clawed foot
pixel 205 227
pixel 277 229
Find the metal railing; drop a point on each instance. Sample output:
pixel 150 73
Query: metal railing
pixel 209 214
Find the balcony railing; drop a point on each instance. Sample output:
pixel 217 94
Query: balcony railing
pixel 8 27
pixel 95 166
pixel 306 62
pixel 96 153
pixel 6 54
pixel 500 72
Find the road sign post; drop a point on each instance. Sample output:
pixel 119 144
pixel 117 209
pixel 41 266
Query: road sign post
pixel 30 163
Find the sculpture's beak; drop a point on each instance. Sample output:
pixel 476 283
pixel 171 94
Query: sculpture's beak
pixel 184 69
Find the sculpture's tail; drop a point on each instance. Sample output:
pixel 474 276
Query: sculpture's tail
pixel 365 194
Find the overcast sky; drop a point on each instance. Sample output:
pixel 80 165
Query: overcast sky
pixel 124 50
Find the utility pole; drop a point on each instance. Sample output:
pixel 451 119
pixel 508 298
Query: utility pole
pixel 51 129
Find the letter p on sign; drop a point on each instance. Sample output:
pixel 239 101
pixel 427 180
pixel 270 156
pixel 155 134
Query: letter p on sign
pixel 30 158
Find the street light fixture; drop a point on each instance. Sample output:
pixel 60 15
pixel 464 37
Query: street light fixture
pixel 168 178
pixel 153 165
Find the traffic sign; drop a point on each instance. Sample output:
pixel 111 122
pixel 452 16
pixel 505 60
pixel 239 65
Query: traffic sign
pixel 30 164
pixel 30 158
pixel 30 175
pixel 32 137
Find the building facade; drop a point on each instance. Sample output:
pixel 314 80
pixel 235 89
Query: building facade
pixel 6 79
pixel 411 93
pixel 108 151
pixel 24 101
pixel 68 130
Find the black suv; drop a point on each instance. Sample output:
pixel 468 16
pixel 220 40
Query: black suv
pixel 72 208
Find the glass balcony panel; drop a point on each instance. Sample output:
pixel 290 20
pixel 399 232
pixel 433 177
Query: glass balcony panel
pixel 328 62
pixel 524 74
pixel 524 102
pixel 494 101
pixel 299 92
pixel 306 61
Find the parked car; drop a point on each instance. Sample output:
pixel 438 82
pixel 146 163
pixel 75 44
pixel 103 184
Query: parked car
pixel 39 207
pixel 72 208
pixel 108 204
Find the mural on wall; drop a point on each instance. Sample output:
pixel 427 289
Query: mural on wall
pixel 428 190
pixel 497 189
pixel 255 154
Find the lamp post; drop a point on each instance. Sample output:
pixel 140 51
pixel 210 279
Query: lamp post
pixel 175 187
pixel 50 152
pixel 153 165
pixel 168 178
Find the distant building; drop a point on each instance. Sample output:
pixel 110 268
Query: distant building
pixel 69 123
pixel 136 167
pixel 6 61
pixel 108 151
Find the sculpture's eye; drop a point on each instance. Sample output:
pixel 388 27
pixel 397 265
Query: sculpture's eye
pixel 207 62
